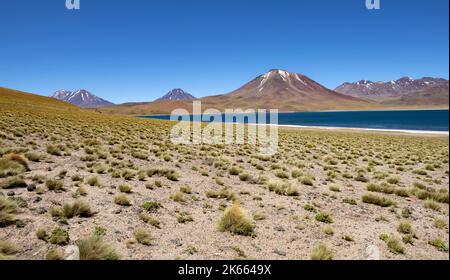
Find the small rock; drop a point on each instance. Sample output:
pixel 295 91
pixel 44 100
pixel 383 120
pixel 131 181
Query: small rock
pixel 117 211
pixel 20 223
pixel 41 210
pixel 31 188
pixel 72 253
pixel 113 187
pixel 373 253
pixel 279 228
pixel 37 199
pixel 177 242
pixel 10 193
pixel 280 253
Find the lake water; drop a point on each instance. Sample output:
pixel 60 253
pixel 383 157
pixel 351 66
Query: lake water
pixel 422 120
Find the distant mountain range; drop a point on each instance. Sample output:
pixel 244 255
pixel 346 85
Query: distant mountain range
pixel 81 98
pixel 287 91
pixel 402 86
pixel 404 91
pixel 177 94
pixel 277 88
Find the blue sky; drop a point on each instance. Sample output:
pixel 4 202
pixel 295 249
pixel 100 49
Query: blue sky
pixel 137 50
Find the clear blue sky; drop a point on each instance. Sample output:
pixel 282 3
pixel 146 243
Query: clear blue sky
pixel 137 50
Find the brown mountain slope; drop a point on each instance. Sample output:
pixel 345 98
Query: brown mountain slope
pixel 432 96
pixel 279 89
pixel 142 109
pixel 10 98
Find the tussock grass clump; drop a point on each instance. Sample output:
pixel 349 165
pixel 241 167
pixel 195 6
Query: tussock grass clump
pixel 140 155
pixel 245 177
pixel 402 192
pixel 128 174
pixel 439 244
pixel 18 159
pixel 35 157
pixel 10 168
pixel 125 189
pixel 234 171
pixel 235 220
pixel 405 228
pixel 54 150
pixel 143 236
pixel 307 180
pixel 12 165
pixel 6 249
pixel 393 180
pixel 59 236
pixel 54 185
pixel 281 174
pixel 350 201
pixel 310 208
pixel 170 174
pixel 322 253
pixel 286 189
pixel 395 245
pixel 13 183
pixel 377 200
pixel 383 188
pixel 55 255
pixel 431 204
pixel 406 213
pixel 328 230
pixel 146 218
pixel 186 189
pixel 335 188
pixel 93 181
pixel 42 234
pixel 8 209
pixel 122 200
pixel 178 197
pixel 440 223
pixel 152 206
pixel 324 218
pixel 78 208
pixel 95 248
pixel 224 193
pixel 184 218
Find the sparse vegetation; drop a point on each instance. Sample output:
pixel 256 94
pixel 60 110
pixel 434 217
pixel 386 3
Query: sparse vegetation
pixel 143 236
pixel 122 200
pixel 377 200
pixel 322 253
pixel 316 178
pixel 235 220
pixel 95 248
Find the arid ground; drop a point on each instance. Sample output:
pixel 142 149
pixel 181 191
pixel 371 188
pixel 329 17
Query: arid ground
pixel 117 188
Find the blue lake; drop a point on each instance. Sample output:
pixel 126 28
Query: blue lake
pixel 426 120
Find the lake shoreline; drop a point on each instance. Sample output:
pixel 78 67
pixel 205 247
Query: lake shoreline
pixel 407 121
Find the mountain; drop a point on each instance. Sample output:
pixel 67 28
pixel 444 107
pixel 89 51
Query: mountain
pixel 81 98
pixel 177 94
pixel 276 89
pixel 392 89
pixel 285 91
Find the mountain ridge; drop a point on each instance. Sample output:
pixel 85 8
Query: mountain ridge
pixel 81 98
pixel 393 88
